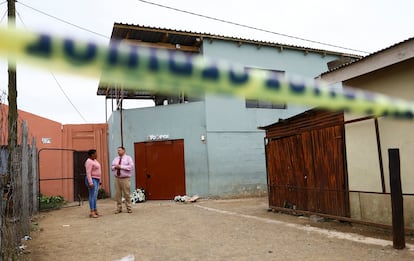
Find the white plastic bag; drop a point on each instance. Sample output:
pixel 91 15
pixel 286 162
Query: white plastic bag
pixel 127 258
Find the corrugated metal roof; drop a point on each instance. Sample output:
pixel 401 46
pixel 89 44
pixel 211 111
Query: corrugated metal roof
pixel 369 56
pixel 136 33
pixel 156 34
pixel 188 41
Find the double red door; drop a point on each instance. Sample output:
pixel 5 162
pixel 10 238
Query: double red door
pixel 160 168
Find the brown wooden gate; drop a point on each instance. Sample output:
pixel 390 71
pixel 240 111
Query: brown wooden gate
pixel 160 168
pixel 305 163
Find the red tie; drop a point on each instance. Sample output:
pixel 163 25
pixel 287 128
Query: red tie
pixel 118 171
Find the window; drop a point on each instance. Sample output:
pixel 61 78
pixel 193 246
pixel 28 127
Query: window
pixel 264 104
pixel 250 103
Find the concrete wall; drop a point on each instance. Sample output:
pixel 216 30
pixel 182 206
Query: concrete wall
pixel 56 159
pixel 83 137
pixel 293 62
pixel 362 156
pixel 377 208
pixel 362 152
pixel 48 134
pixel 232 160
pixel 179 121
pixel 236 154
pixel 55 143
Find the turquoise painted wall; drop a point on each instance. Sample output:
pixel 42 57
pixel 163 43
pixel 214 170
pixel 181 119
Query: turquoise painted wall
pixel 232 161
pixel 236 153
pixel 179 121
pixel 295 62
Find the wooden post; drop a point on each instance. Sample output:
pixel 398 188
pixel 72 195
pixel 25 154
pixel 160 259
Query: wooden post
pixel 12 98
pixel 12 91
pixel 11 134
pixel 396 199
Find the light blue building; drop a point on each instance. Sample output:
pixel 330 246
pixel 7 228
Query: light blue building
pixel 223 149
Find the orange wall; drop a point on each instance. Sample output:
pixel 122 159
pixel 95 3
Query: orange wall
pixel 84 137
pixel 39 128
pixel 56 158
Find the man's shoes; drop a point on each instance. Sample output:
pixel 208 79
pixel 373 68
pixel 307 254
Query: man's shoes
pixel 118 211
pixel 129 211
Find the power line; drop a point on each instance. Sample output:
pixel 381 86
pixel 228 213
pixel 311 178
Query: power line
pixel 64 21
pixel 250 27
pixel 57 82
pixel 203 16
pixel 64 93
pixel 5 12
pixel 4 15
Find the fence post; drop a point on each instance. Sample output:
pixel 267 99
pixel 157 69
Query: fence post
pixel 35 179
pixel 396 199
pixel 25 211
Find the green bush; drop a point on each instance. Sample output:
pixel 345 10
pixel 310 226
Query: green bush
pixel 52 202
pixel 102 193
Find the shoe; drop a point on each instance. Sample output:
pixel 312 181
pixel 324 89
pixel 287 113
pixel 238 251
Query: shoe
pixel 96 212
pixel 129 211
pixel 118 211
pixel 93 215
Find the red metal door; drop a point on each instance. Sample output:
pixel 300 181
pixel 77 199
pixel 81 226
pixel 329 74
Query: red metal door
pixel 160 168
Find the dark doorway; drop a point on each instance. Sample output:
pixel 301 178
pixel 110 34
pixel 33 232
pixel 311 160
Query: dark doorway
pixel 160 168
pixel 79 172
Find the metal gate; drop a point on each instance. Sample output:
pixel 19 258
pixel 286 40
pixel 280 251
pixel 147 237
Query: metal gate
pixel 52 181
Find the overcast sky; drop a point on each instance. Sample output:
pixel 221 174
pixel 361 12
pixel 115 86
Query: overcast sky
pixel 368 26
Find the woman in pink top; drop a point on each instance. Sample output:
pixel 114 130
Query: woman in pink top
pixel 92 180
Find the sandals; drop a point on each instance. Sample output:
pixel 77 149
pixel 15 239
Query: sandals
pixel 93 215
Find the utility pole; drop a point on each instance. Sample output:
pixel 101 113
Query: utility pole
pixel 12 112
pixel 12 94
pixel 11 139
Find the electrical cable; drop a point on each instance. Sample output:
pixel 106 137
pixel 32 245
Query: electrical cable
pixel 4 15
pixel 251 27
pixel 64 93
pixel 57 82
pixel 203 16
pixel 64 21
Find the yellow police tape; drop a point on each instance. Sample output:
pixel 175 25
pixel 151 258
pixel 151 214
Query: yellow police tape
pixel 138 68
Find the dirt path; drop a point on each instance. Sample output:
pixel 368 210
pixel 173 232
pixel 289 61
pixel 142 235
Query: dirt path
pixel 240 229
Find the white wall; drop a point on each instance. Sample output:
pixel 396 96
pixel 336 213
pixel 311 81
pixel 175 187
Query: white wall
pixel 362 150
pixel 362 156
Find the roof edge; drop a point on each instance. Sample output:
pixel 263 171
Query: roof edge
pixel 396 53
pixel 235 39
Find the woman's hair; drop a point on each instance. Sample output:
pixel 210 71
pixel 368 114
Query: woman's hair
pixel 91 152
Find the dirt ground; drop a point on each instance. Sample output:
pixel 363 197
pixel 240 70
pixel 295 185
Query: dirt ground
pixel 232 229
